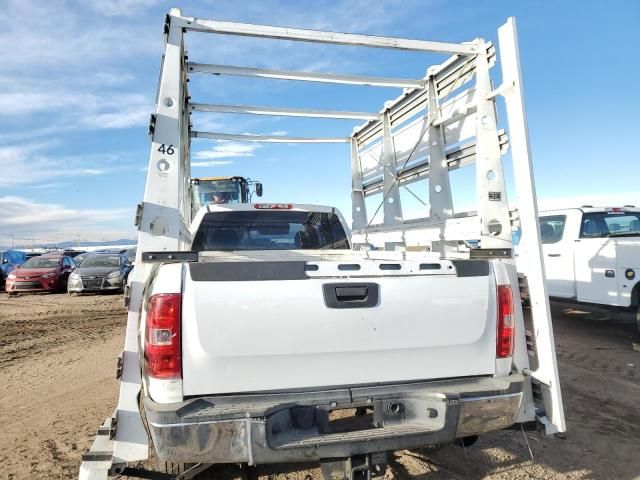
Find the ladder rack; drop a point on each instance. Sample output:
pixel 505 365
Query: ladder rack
pixel 444 121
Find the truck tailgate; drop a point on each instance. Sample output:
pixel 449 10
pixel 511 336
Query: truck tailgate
pixel 264 326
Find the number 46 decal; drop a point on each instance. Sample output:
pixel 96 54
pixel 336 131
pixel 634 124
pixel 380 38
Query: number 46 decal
pixel 166 149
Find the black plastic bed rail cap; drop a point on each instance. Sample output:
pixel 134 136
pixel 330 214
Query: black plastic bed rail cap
pixel 164 257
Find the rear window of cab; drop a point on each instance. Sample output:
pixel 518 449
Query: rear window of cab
pixel 270 230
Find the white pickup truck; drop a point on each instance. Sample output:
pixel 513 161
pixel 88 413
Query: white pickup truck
pixel 593 255
pixel 256 334
pixel 277 343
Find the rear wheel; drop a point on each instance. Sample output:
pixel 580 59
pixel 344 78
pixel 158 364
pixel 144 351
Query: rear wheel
pixel 638 318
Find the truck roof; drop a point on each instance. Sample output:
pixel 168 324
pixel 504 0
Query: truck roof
pixel 215 178
pixel 270 206
pixel 265 206
pixel 592 209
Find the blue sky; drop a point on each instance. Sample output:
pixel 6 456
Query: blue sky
pixel 78 82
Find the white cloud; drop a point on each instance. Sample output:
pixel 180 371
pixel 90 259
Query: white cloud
pixel 78 110
pixel 51 34
pixel 213 163
pixel 93 171
pixel 47 186
pixel 224 149
pixel 114 8
pixel 127 116
pixel 27 102
pixel 28 164
pixel 25 218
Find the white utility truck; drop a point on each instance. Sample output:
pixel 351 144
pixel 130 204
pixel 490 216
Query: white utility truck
pixel 256 332
pixel 592 255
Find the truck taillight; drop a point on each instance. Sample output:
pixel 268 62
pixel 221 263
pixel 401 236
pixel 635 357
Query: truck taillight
pixel 506 322
pixel 162 354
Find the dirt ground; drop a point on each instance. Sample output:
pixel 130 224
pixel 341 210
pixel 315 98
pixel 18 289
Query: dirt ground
pixel 57 358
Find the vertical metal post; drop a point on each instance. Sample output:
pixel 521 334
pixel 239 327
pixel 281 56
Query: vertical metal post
pixel 358 207
pixel 493 208
pixel 391 192
pixel 440 200
pixel 161 226
pixel 161 220
pixel 530 256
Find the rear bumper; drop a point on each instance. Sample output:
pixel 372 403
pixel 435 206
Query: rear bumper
pixel 294 427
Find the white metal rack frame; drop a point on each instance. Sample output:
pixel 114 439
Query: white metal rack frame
pixel 441 122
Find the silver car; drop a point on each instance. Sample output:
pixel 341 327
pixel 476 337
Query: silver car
pixel 100 272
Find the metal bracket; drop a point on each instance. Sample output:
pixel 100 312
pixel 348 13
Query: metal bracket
pixel 98 460
pixel 119 365
pixel 193 471
pixel 168 257
pixel 152 125
pixel 358 467
pixel 138 218
pixel 490 253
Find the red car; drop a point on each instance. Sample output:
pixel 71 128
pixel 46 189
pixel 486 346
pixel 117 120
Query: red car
pixel 41 274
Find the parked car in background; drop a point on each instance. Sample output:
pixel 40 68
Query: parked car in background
pixel 592 255
pixel 130 253
pixel 100 272
pixel 80 257
pixel 49 272
pixel 9 259
pixel 73 253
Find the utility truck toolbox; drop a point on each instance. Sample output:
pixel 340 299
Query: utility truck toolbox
pixel 273 332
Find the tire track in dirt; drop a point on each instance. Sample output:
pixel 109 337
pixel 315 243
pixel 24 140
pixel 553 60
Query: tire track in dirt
pixel 33 324
pixel 57 358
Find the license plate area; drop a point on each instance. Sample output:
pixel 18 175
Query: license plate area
pixel 342 420
pixel 310 426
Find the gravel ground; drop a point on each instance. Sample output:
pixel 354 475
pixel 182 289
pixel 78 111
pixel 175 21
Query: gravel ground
pixel 58 360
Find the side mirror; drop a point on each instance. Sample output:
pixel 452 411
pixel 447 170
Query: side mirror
pixel 259 189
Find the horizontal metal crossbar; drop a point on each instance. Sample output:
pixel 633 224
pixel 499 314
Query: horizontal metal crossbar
pixel 458 157
pixel 450 75
pixel 283 112
pixel 303 76
pixel 318 36
pixel 268 138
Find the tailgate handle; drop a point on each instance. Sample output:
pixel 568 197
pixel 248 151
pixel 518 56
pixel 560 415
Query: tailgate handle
pixel 351 295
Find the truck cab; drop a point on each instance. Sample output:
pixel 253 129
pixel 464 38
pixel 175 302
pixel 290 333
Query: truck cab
pixel 592 254
pixel 221 190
